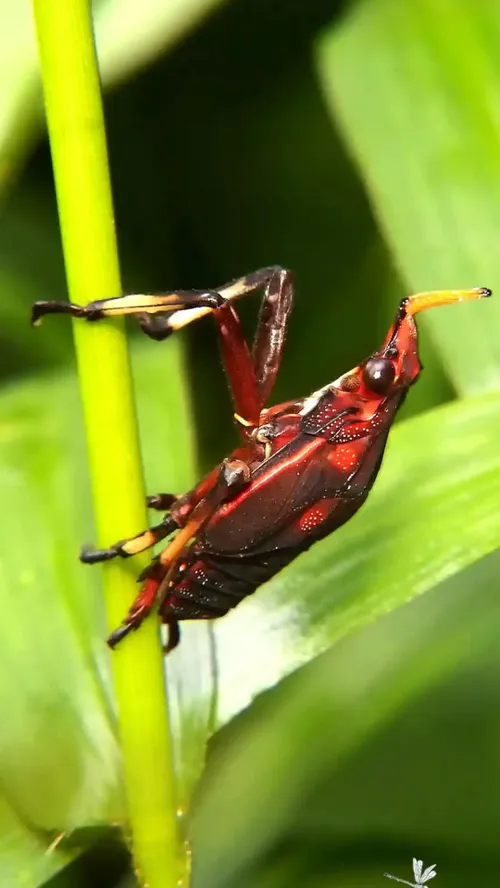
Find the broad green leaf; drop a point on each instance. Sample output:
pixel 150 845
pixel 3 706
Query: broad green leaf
pixel 414 84
pixel 130 35
pixel 25 855
pixel 318 863
pixel 20 98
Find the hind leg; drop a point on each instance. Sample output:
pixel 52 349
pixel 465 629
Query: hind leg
pixel 140 609
pixel 174 635
pixel 138 612
pixel 232 475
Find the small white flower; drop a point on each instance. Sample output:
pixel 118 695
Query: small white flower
pixel 417 869
pixel 428 873
pixel 420 877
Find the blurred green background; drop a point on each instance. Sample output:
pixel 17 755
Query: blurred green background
pixel 357 143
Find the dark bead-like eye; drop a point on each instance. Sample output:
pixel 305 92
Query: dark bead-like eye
pixel 378 375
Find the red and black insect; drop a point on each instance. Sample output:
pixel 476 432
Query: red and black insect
pixel 302 469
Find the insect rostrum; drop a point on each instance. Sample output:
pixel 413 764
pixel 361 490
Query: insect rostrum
pixel 306 465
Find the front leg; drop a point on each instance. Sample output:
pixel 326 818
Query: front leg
pixel 251 376
pixel 140 304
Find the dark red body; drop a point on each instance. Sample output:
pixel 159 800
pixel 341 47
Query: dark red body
pixel 320 471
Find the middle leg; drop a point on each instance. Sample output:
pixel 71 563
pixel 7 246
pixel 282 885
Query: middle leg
pixel 161 502
pixel 133 545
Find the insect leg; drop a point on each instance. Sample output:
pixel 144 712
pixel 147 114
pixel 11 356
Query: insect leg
pixel 234 289
pixel 180 509
pixel 140 304
pixel 174 635
pixel 138 612
pixel 161 502
pixel 232 475
pixel 239 368
pixel 132 545
pixel 270 335
pixel 251 378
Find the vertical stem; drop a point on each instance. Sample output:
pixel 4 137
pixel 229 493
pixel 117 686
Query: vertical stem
pixel 77 137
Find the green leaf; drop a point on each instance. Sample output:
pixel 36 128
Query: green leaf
pixel 25 855
pixel 414 85
pixel 20 99
pixel 130 35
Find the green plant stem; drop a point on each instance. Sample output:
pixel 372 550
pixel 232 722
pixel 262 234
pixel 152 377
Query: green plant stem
pixel 77 137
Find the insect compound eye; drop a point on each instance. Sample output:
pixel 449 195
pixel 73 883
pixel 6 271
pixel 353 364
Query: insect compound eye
pixel 378 375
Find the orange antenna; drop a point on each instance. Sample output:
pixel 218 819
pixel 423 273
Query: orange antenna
pixel 434 298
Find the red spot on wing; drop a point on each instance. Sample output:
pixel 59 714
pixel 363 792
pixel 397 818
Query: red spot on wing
pixel 345 457
pixel 315 515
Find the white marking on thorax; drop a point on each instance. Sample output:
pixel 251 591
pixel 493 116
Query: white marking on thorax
pixel 311 402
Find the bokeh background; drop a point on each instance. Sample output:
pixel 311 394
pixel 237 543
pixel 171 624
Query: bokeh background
pixel 357 143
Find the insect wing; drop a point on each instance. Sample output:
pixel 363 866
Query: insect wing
pixel 304 492
pixel 280 489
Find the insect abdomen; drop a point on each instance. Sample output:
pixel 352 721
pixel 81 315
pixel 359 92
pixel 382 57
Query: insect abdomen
pixel 208 586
